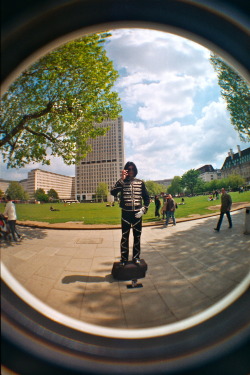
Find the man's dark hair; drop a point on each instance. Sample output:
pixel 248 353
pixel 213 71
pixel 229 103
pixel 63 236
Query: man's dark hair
pixel 131 164
pixel 8 198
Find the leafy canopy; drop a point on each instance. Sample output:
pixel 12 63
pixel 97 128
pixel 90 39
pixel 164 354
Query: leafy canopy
pixel 52 193
pixel 154 188
pixel 236 93
pixel 40 195
pixel 102 190
pixel 16 191
pixel 190 180
pixel 52 107
pixel 175 187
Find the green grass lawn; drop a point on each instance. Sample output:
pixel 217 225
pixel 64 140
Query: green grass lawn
pixel 98 213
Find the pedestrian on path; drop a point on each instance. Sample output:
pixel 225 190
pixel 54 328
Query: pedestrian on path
pixel 10 214
pixel 163 210
pixel 170 207
pixel 226 204
pixel 132 192
pixel 157 206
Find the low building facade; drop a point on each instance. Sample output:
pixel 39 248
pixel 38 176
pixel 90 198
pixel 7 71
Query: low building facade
pixel 208 173
pixel 237 163
pixel 40 179
pixel 166 182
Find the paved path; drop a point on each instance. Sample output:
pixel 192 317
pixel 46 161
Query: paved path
pixel 190 267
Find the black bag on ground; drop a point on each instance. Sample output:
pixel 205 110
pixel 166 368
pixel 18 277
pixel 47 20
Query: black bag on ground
pixel 130 271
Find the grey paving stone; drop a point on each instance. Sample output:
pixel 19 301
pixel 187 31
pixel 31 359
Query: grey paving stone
pixel 189 269
pixel 39 285
pixel 67 302
pixel 79 264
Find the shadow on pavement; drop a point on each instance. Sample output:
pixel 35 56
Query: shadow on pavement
pixel 26 233
pixel 87 279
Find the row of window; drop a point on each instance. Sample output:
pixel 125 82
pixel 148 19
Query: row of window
pixel 99 161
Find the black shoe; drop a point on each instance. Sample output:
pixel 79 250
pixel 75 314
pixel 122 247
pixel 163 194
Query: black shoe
pixel 216 229
pixel 136 261
pixel 230 227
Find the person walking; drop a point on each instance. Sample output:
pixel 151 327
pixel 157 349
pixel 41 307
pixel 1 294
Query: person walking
pixel 10 214
pixel 157 206
pixel 170 209
pixel 163 210
pixel 132 192
pixel 226 204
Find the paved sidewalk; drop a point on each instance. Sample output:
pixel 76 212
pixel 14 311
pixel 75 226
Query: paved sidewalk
pixel 190 267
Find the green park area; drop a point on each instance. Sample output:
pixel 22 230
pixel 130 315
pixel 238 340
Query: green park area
pixel 99 213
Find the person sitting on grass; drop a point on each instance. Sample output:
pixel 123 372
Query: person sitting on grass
pixel 53 209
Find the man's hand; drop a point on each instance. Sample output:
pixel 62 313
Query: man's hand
pixel 124 174
pixel 139 214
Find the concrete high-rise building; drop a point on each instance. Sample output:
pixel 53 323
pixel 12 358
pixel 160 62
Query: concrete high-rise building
pixel 104 163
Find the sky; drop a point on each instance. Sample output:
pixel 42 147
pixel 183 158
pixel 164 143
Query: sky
pixel 174 116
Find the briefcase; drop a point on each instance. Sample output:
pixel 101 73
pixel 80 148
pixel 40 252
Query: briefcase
pixel 130 271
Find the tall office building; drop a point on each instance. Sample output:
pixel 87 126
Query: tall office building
pixel 104 163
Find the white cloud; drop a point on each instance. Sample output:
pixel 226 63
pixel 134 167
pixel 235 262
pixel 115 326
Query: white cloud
pixel 161 73
pixel 157 52
pixel 170 150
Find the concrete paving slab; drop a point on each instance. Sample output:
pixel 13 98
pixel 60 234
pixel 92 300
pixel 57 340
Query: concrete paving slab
pixel 66 302
pixel 156 313
pixel 24 254
pixel 212 284
pixel 79 265
pixel 190 267
pixel 49 271
pixel 39 285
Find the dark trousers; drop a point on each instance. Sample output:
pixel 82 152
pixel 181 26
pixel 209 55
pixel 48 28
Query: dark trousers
pixel 221 218
pixel 12 225
pixel 157 211
pixel 129 220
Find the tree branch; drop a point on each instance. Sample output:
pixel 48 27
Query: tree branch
pixel 17 129
pixel 40 134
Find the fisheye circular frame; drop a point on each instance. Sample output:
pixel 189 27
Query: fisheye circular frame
pixel 29 31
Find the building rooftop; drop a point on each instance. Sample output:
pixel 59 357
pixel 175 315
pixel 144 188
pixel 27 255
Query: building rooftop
pixel 237 158
pixel 206 168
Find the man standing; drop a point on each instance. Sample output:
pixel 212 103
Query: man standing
pixel 170 209
pixel 10 213
pixel 132 192
pixel 157 206
pixel 226 204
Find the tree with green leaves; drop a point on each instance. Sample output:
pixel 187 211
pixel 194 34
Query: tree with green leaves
pixel 102 191
pixel 235 181
pixel 41 196
pixel 236 93
pixel 54 106
pixel 52 194
pixel 190 180
pixel 175 187
pixel 154 188
pixel 16 191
